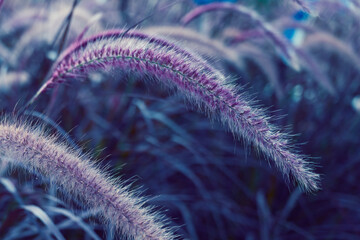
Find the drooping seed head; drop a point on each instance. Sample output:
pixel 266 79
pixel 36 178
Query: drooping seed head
pixel 204 87
pixel 79 177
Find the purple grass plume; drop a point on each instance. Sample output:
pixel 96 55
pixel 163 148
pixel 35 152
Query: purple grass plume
pixel 206 88
pixel 41 153
pixel 281 44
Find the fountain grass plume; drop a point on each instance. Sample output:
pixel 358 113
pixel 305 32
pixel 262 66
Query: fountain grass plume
pixel 284 46
pixel 67 57
pixel 205 88
pixel 41 153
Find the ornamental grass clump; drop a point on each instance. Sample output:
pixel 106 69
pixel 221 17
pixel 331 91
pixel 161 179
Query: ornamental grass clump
pixel 203 86
pixel 80 178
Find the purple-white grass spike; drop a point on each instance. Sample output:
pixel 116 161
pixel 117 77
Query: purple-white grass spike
pixel 112 35
pixel 281 44
pixel 31 148
pixel 202 85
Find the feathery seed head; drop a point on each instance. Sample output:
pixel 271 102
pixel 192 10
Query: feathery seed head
pixel 194 78
pixel 80 178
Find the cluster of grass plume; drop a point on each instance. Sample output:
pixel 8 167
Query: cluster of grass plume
pixel 159 54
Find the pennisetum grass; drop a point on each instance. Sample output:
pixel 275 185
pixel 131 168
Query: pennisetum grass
pixel 111 38
pixel 202 85
pixel 44 154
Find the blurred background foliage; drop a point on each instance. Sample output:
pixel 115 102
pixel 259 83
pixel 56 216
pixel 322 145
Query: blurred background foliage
pixel 209 184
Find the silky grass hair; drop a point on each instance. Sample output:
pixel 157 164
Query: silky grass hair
pixel 206 88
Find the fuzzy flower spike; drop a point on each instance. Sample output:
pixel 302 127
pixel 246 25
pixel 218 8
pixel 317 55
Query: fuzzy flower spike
pixel 204 87
pixel 80 178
